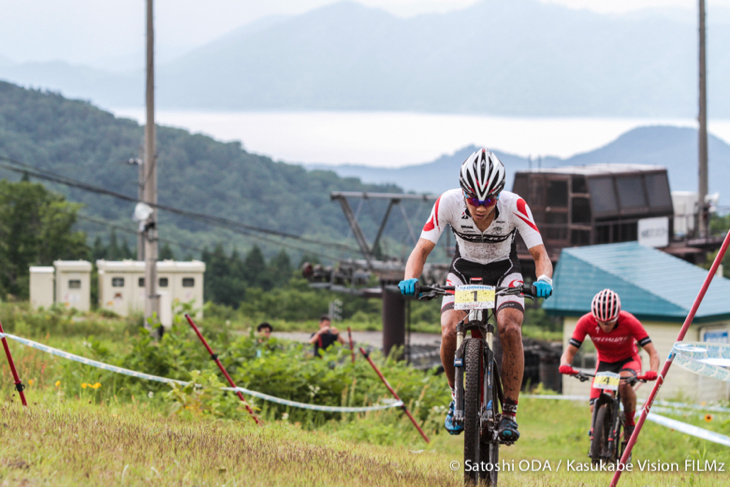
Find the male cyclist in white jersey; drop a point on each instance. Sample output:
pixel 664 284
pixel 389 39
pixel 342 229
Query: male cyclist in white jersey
pixel 485 220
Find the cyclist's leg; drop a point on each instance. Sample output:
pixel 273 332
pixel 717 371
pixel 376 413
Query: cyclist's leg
pixel 509 321
pixel 631 368
pixel 449 319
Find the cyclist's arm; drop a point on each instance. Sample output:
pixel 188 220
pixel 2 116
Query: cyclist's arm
pixel 653 356
pixel 543 266
pixel 414 266
pixel 568 355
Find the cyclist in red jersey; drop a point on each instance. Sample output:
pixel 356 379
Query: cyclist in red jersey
pixel 615 334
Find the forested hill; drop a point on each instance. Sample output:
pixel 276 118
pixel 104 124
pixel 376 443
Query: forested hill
pixel 195 172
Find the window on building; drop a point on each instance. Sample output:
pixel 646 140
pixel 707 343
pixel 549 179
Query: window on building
pixel 117 282
pixel 74 284
pixel 164 282
pixel 579 184
pixel 603 196
pixel 557 194
pixel 657 188
pixel 140 282
pixel 580 237
pixel 631 192
pixel 188 282
pixel 580 210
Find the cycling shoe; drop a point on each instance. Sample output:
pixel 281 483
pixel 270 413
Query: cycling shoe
pixel 451 427
pixel 508 430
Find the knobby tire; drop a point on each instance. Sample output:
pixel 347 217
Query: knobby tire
pixel 599 445
pixel 490 450
pixel 472 389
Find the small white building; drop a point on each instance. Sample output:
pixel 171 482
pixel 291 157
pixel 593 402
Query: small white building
pixel 73 283
pixel 41 286
pixel 659 290
pixel 121 286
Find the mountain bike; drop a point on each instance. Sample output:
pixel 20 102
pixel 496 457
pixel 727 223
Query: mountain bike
pixel 478 386
pixel 608 420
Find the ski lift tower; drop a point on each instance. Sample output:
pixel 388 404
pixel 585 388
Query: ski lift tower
pixel 348 274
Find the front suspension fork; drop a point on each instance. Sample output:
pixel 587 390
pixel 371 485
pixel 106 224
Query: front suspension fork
pixel 459 375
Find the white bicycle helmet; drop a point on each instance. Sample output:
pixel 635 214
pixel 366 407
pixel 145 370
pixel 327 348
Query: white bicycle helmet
pixel 482 175
pixel 606 305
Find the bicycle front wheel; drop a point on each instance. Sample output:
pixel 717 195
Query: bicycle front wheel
pixel 599 444
pixel 474 355
pixel 489 446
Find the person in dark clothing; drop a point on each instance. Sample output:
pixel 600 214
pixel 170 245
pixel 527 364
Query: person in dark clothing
pixel 264 330
pixel 325 336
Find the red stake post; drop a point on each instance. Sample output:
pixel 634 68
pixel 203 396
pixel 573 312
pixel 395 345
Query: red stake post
pixel 352 347
pixel 670 359
pixel 395 394
pixel 18 383
pixel 220 366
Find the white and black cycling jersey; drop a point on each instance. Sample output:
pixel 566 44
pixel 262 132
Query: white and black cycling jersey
pixel 497 242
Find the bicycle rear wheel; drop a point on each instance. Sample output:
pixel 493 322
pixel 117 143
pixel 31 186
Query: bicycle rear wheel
pixel 474 358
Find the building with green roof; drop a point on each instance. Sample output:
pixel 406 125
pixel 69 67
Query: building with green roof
pixel 659 290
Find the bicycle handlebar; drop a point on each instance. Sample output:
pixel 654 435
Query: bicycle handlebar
pixel 430 292
pixel 584 376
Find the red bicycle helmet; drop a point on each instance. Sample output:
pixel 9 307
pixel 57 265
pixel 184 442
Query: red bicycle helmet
pixel 606 305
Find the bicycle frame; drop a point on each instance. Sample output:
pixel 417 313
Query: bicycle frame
pixel 612 400
pixel 477 321
pixel 481 436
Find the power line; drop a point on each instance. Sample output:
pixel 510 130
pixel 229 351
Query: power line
pixel 134 232
pixel 182 245
pixel 209 219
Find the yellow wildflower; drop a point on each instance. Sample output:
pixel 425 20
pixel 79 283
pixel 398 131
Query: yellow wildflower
pixel 96 386
pixel 30 382
pixel 58 383
pixel 708 417
pixel 84 385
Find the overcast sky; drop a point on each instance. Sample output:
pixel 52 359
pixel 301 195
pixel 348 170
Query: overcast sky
pixel 94 32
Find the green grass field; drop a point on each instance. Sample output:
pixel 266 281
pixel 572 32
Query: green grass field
pixel 69 441
pixel 74 435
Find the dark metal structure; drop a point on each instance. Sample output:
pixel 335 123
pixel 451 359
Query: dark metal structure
pixel 586 205
pixel 351 276
pixel 575 206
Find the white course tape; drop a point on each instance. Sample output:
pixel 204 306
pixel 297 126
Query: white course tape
pixel 703 358
pixel 688 428
pixel 669 404
pixel 662 420
pixel 331 409
pixel 140 375
pixel 93 363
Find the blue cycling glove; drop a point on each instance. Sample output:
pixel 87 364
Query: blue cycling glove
pixel 408 287
pixel 543 287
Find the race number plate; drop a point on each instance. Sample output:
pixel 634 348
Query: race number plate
pixel 607 381
pixel 474 296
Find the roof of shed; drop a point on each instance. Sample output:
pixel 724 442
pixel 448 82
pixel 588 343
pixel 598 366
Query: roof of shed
pixel 652 284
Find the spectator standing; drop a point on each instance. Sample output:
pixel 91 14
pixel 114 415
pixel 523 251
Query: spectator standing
pixel 327 334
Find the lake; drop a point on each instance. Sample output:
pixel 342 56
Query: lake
pixel 392 139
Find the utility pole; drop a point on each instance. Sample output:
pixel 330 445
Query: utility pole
pixel 703 217
pixel 139 162
pixel 152 299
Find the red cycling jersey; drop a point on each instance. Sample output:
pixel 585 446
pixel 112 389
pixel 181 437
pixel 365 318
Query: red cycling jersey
pixel 619 343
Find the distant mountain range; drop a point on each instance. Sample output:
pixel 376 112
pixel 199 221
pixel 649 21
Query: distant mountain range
pixel 521 57
pixel 672 147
